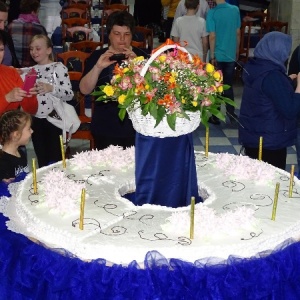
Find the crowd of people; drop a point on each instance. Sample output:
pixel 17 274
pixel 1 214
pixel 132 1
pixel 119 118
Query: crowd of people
pixel 210 29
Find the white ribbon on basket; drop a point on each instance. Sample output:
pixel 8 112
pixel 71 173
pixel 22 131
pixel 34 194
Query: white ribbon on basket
pixel 159 52
pixel 146 124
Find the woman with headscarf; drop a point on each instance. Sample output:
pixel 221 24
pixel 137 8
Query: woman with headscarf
pixel 270 105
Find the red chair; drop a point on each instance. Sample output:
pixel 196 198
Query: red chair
pixel 84 131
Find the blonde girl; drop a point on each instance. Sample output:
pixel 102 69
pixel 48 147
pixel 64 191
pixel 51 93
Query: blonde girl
pixel 15 131
pixel 53 84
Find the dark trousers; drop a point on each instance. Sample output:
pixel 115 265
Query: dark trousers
pixel 46 142
pixel 227 69
pixel 168 27
pixel 277 158
pixel 102 142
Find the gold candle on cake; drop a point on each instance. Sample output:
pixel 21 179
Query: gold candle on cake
pixel 291 181
pixel 34 176
pixel 192 218
pixel 82 204
pixel 62 151
pixel 260 148
pixel 206 141
pixel 275 201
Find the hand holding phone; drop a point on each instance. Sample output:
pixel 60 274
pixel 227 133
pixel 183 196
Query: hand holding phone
pixel 118 57
pixel 29 81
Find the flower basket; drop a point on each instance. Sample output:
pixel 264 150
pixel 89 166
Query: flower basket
pixel 168 94
pixel 145 125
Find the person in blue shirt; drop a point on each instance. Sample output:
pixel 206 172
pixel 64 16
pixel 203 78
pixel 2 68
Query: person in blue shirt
pixel 270 104
pixel 223 25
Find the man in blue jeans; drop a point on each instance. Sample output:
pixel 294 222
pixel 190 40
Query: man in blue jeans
pixel 223 23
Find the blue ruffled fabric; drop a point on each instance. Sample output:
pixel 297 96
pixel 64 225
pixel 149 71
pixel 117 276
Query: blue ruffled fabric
pixel 31 271
pixel 4 186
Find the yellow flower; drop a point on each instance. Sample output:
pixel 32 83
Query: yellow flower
pixel 147 87
pixel 172 79
pixel 125 70
pixel 162 58
pixel 121 99
pixel 174 74
pixel 209 68
pixel 117 76
pixel 182 100
pixel 217 75
pixel 108 90
pixel 220 89
pixel 195 103
pixel 138 58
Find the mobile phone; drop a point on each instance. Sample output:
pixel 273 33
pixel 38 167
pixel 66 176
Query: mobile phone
pixel 118 57
pixel 29 81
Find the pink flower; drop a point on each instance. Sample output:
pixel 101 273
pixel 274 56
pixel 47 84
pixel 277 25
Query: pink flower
pixel 125 83
pixel 206 102
pixel 138 79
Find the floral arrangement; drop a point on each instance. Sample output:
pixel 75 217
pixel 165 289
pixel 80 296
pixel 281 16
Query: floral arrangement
pixel 173 84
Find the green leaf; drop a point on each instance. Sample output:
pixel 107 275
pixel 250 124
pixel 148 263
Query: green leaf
pixel 228 101
pixel 226 87
pixel 145 109
pixel 153 110
pixel 218 114
pixel 122 113
pixel 171 119
pixel 160 114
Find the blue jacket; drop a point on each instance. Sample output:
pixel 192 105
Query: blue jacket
pixel 268 107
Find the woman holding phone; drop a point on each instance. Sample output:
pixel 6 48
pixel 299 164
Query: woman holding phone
pixel 12 95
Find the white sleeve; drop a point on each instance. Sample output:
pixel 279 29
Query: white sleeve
pixel 175 31
pixel 62 87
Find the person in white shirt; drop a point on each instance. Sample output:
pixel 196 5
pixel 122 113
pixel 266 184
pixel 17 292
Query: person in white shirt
pixel 192 30
pixel 202 11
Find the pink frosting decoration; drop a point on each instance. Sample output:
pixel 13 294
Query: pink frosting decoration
pixel 61 193
pixel 243 167
pixel 209 224
pixel 111 157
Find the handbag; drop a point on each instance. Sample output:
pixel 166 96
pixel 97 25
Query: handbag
pixel 64 116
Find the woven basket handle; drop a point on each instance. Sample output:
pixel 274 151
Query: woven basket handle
pixel 158 52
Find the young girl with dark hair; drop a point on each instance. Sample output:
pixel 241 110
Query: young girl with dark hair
pixel 15 131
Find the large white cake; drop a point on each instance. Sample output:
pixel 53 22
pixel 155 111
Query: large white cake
pixel 235 218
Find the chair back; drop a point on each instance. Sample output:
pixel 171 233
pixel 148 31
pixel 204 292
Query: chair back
pixel 84 131
pixel 78 24
pixel 273 26
pixel 70 12
pixel 73 60
pixel 143 38
pixel 86 46
pixel 260 15
pixel 109 2
pixel 86 2
pixel 78 34
pixel 71 22
pixel 245 41
pixel 75 78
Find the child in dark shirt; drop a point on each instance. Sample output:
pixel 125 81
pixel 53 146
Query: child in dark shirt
pixel 15 131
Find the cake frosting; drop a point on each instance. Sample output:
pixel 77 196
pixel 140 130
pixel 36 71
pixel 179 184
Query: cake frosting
pixel 234 219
